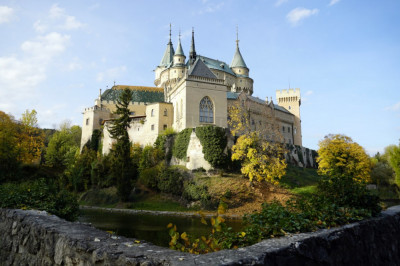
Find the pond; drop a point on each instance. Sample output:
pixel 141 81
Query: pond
pixel 149 227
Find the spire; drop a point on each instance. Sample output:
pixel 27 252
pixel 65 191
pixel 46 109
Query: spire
pixel 238 60
pixel 169 52
pixel 192 53
pixel 179 50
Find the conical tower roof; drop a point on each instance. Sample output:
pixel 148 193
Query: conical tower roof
pixel 238 60
pixel 179 50
pixel 169 52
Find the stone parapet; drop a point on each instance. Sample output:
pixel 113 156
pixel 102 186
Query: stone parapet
pixel 37 238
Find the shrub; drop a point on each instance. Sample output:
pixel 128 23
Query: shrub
pixel 40 195
pixel 181 143
pixel 150 157
pixel 149 177
pixel 170 180
pixel 214 140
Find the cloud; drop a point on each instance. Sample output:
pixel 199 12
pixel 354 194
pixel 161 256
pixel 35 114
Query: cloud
pixel 394 107
pixel 6 14
pixel 211 7
pixel 298 14
pixel 309 93
pixel 110 73
pixel 280 2
pixel 74 65
pixel 46 47
pixel 333 2
pixel 56 20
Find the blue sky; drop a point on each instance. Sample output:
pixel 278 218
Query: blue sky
pixel 344 56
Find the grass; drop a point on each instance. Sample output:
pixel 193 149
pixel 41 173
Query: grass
pixel 158 203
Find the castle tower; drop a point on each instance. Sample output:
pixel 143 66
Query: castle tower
pixel 239 67
pixel 290 99
pixel 166 61
pixel 179 56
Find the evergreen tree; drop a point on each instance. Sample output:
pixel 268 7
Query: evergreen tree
pixel 122 167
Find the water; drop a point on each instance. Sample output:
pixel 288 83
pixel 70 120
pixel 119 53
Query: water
pixel 152 228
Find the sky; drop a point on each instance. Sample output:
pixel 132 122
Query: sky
pixel 343 55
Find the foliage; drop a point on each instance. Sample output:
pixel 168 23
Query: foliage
pixel 170 180
pixel 100 174
pixel 149 177
pixel 340 156
pixel 165 142
pixel 8 147
pixel 30 138
pixel 181 143
pixel 393 153
pixel 62 148
pixel 122 167
pixel 261 160
pixel 211 243
pixel 337 201
pixel 40 195
pixel 94 142
pixel 150 157
pixel 382 173
pixel 214 140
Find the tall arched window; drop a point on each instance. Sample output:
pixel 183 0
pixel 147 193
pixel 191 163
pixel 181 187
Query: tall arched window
pixel 206 110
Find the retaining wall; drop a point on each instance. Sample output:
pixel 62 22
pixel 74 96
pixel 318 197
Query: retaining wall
pixel 37 238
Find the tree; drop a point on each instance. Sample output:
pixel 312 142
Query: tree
pixel 261 159
pixel 62 148
pixel 339 156
pixel 8 147
pixel 31 138
pixel 393 155
pixel 258 148
pixel 122 167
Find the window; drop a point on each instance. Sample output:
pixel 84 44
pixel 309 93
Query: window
pixel 283 129
pixel 87 121
pixel 179 59
pixel 252 121
pixel 295 131
pixel 152 112
pixel 165 112
pixel 165 127
pixel 288 129
pixel 290 107
pixel 206 110
pixel 290 141
pixel 132 113
pixel 100 121
pixel 242 103
pixel 152 127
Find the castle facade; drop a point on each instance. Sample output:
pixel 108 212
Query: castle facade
pixel 190 92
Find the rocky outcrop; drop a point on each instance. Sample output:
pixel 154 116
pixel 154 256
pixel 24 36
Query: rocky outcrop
pixel 37 238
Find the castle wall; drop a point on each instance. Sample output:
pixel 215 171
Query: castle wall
pixel 92 119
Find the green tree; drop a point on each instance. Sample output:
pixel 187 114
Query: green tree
pixel 122 167
pixel 63 147
pixel 339 155
pixel 8 147
pixel 393 154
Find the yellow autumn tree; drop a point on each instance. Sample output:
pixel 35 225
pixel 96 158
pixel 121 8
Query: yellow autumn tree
pixel 31 138
pixel 258 147
pixel 339 155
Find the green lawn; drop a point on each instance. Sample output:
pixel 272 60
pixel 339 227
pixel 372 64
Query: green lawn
pixel 300 180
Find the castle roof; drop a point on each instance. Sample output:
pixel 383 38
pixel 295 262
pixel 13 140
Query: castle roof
pixel 168 54
pixel 216 64
pixel 200 69
pixel 139 93
pixel 179 50
pixel 238 60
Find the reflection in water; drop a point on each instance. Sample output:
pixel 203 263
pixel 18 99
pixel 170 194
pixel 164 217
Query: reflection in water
pixel 152 228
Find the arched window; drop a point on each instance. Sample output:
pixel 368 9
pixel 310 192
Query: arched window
pixel 206 110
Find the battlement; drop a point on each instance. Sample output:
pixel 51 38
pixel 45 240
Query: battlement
pixel 288 93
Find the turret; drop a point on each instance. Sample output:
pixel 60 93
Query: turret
pixel 169 53
pixel 179 56
pixel 238 65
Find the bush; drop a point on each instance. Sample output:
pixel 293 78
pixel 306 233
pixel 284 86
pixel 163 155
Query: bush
pixel 39 195
pixel 181 143
pixel 170 180
pixel 150 157
pixel 214 140
pixel 149 177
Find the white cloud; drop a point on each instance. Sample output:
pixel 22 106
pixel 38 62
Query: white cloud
pixel 394 107
pixel 110 73
pixel 47 46
pixel 57 19
pixel 280 2
pixel 309 93
pixel 6 14
pixel 298 14
pixel 333 2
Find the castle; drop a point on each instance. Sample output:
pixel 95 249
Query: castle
pixel 191 92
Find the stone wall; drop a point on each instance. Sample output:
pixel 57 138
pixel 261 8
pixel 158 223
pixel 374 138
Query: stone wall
pixel 37 238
